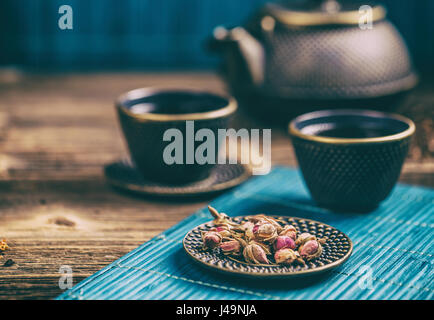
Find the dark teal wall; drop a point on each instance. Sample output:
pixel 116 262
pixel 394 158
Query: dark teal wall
pixel 154 34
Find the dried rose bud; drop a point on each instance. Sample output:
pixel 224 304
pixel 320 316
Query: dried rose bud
pixel 285 256
pixel 254 253
pixel 262 218
pixel 247 225
pixel 223 230
pixel 211 239
pixel 289 231
pixel 264 246
pixel 247 228
pixel 248 232
pixel 256 219
pixel 231 247
pixel 264 232
pixel 310 250
pixel 221 219
pixel 303 238
pixel 284 242
pixel 227 225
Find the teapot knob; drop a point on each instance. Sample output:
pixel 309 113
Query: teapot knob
pixel 331 6
pixel 268 23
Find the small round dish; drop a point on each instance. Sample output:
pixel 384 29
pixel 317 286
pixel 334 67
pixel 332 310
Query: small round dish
pixel 336 251
pixel 124 175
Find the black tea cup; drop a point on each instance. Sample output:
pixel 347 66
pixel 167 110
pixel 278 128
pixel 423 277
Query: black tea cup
pixel 350 159
pixel 146 114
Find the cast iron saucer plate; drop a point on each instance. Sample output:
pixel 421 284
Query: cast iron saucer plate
pixel 124 175
pixel 336 251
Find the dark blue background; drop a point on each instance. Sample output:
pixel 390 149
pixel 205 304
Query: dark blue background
pixel 155 34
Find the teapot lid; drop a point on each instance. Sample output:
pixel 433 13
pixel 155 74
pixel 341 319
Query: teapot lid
pixel 322 12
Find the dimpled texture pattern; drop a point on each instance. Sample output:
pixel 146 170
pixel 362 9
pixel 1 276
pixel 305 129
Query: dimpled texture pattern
pixel 337 62
pixel 335 251
pixel 350 176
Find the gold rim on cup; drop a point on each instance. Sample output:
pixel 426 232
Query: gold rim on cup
pixel 367 113
pixel 229 109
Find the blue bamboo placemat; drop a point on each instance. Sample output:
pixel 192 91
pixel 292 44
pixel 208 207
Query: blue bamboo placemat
pixel 392 257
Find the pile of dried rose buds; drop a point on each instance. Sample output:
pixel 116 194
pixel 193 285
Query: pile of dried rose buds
pixel 259 238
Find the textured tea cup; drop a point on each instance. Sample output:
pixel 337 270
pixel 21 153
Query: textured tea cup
pixel 350 159
pixel 146 114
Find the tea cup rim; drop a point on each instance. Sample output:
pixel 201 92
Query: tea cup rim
pixel 359 112
pixel 227 110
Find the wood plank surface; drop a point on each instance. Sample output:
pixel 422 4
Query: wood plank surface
pixel 56 133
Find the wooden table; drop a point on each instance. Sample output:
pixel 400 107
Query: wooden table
pixel 56 209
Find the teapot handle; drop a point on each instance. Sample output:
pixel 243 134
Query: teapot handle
pixel 249 48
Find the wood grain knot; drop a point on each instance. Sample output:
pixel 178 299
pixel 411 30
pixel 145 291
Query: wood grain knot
pixel 62 221
pixel 9 263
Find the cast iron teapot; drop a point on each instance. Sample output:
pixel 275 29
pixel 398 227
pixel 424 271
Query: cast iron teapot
pixel 297 56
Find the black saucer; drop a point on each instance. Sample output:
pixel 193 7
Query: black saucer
pixel 123 174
